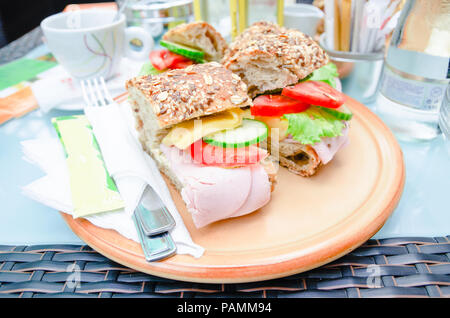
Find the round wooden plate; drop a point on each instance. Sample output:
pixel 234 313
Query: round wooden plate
pixel 308 222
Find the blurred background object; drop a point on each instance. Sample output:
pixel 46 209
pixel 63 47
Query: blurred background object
pixel 416 72
pixel 354 34
pixel 19 17
pixel 231 17
pixel 303 17
pixel 360 73
pixel 320 4
pixel 3 40
pixel 155 15
pixel 359 25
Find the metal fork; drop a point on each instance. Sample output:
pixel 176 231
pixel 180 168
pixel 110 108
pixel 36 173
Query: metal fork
pixel 92 93
pixel 151 217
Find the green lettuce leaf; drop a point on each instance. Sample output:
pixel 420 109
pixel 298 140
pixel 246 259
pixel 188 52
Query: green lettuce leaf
pixel 326 73
pixel 148 69
pixel 310 126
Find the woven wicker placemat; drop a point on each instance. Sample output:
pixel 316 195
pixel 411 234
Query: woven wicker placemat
pixel 394 267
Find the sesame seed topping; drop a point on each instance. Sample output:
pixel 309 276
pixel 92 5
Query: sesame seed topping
pixel 200 89
pixel 163 96
pixel 208 79
pixel 235 99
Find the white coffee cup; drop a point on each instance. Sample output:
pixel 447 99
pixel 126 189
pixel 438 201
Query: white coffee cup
pixel 88 43
pixel 303 17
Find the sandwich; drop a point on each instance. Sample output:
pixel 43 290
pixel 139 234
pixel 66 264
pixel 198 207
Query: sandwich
pixel 195 124
pixel 293 86
pixel 184 45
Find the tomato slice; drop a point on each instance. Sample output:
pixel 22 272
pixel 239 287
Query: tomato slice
pixel 164 59
pixel 276 105
pixel 182 64
pixel 315 93
pixel 157 60
pixel 206 154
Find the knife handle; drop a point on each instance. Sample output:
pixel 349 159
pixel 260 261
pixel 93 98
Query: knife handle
pixel 156 247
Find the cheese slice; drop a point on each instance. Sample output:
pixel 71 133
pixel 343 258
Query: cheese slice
pixel 186 133
pixel 277 126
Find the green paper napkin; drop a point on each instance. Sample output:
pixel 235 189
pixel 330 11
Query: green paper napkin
pixel 22 70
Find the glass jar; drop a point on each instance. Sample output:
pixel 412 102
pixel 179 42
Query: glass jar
pixel 155 15
pixel 416 70
pixel 444 118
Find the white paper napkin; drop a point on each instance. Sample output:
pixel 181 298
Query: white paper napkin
pixel 126 162
pixel 69 94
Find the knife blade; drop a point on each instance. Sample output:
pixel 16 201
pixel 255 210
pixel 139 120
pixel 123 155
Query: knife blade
pixel 153 214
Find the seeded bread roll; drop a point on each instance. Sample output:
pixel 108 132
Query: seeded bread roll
pixel 163 100
pixel 201 36
pixel 268 57
pixel 181 94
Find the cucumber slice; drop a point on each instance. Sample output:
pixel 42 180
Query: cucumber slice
pixel 193 54
pixel 342 112
pixel 149 69
pixel 249 133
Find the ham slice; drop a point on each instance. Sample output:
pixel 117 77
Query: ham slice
pixel 213 193
pixel 329 146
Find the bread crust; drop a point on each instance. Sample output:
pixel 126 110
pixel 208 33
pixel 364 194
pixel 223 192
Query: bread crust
pixel 199 35
pixel 257 30
pixel 267 51
pixel 307 169
pixel 296 157
pixel 198 90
